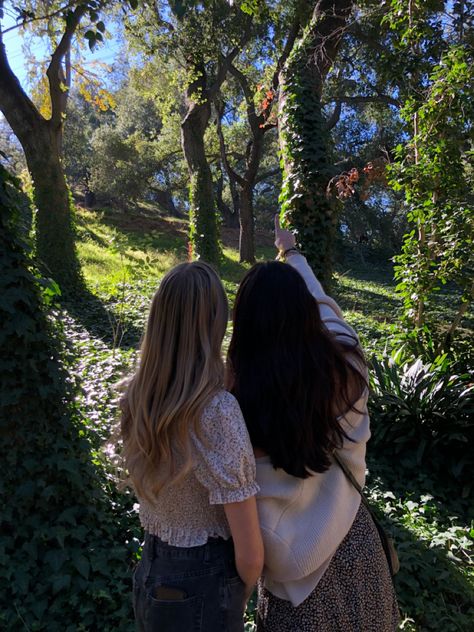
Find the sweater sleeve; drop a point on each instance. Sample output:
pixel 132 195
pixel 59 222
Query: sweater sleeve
pixel 330 311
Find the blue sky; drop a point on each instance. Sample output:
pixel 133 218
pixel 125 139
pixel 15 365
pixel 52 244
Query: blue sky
pixel 13 40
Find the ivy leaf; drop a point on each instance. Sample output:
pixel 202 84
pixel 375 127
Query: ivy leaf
pixel 60 583
pixel 81 563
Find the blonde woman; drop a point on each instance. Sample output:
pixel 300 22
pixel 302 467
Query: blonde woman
pixel 190 461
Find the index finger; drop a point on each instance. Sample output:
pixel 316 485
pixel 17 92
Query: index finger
pixel 277 223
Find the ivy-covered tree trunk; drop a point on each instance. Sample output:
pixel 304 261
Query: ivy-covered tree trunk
pixel 204 237
pixel 303 135
pixel 57 523
pixel 203 215
pixel 55 239
pixel 41 139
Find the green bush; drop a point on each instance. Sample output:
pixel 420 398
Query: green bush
pixel 423 414
pixel 67 539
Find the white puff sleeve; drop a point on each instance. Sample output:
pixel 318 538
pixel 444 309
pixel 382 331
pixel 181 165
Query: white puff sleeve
pixel 225 463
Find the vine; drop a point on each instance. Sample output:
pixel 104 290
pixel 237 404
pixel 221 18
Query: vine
pixel 203 232
pixel 437 186
pixel 63 553
pixel 305 207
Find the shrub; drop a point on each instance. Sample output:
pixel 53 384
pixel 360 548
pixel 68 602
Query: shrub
pixel 423 414
pixel 66 546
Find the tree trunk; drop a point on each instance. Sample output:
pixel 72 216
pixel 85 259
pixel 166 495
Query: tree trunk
pixel 246 239
pixel 203 217
pixel 164 198
pixel 41 142
pixel 303 135
pixel 230 218
pixel 55 244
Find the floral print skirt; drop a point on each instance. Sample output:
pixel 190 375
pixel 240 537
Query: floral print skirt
pixel 355 594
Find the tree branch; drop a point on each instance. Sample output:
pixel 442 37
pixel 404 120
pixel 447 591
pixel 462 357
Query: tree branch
pixel 335 116
pixel 253 118
pixel 20 112
pixel 233 175
pixel 48 16
pixel 267 174
pixel 290 41
pixel 355 30
pixel 55 73
pixel 359 98
pixel 225 62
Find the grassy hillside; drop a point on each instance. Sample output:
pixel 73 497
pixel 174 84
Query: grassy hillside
pixel 123 258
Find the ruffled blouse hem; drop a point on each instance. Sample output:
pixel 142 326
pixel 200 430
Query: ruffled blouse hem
pixel 222 496
pixel 179 536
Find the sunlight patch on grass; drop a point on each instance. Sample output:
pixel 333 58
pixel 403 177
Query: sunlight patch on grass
pixel 110 256
pixel 375 287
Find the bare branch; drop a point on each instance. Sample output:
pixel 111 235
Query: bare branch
pixel 20 112
pixel 233 175
pixel 38 18
pixel 359 98
pixel 55 72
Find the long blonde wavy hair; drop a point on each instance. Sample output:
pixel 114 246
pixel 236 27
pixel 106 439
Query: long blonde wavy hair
pixel 180 369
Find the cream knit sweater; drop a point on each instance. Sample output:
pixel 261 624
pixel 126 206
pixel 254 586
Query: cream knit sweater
pixel 304 521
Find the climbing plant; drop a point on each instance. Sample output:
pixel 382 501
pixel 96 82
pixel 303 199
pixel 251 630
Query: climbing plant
pixel 304 137
pixel 64 561
pixel 304 204
pixel 434 171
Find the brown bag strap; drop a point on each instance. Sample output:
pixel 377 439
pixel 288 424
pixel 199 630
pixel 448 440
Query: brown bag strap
pixel 386 541
pixel 352 478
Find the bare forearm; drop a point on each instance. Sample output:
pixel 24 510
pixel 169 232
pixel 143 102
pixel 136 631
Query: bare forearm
pixel 249 571
pixel 243 522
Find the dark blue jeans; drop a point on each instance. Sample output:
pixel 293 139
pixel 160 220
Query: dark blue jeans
pixel 194 589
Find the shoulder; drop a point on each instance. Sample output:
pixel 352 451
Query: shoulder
pixel 222 404
pixel 222 415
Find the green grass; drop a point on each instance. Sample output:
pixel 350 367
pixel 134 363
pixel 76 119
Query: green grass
pixel 124 257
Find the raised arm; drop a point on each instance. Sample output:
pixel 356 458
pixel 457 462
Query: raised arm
pixel 330 311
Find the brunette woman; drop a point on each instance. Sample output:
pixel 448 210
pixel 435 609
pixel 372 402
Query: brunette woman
pixel 191 463
pixel 297 371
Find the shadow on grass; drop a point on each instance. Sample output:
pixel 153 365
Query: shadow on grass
pixel 431 588
pixel 367 301
pixel 100 321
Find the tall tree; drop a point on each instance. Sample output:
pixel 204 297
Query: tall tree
pixel 303 133
pixel 245 183
pixel 260 121
pixel 202 39
pixel 41 136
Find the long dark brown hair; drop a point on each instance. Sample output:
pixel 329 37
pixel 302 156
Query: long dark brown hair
pixel 292 377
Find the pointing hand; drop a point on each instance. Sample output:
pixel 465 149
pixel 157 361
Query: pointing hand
pixel 284 239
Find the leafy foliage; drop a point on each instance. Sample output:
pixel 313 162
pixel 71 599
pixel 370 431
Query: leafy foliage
pixel 435 585
pixel 64 556
pixel 304 157
pixel 423 415
pixel 433 171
